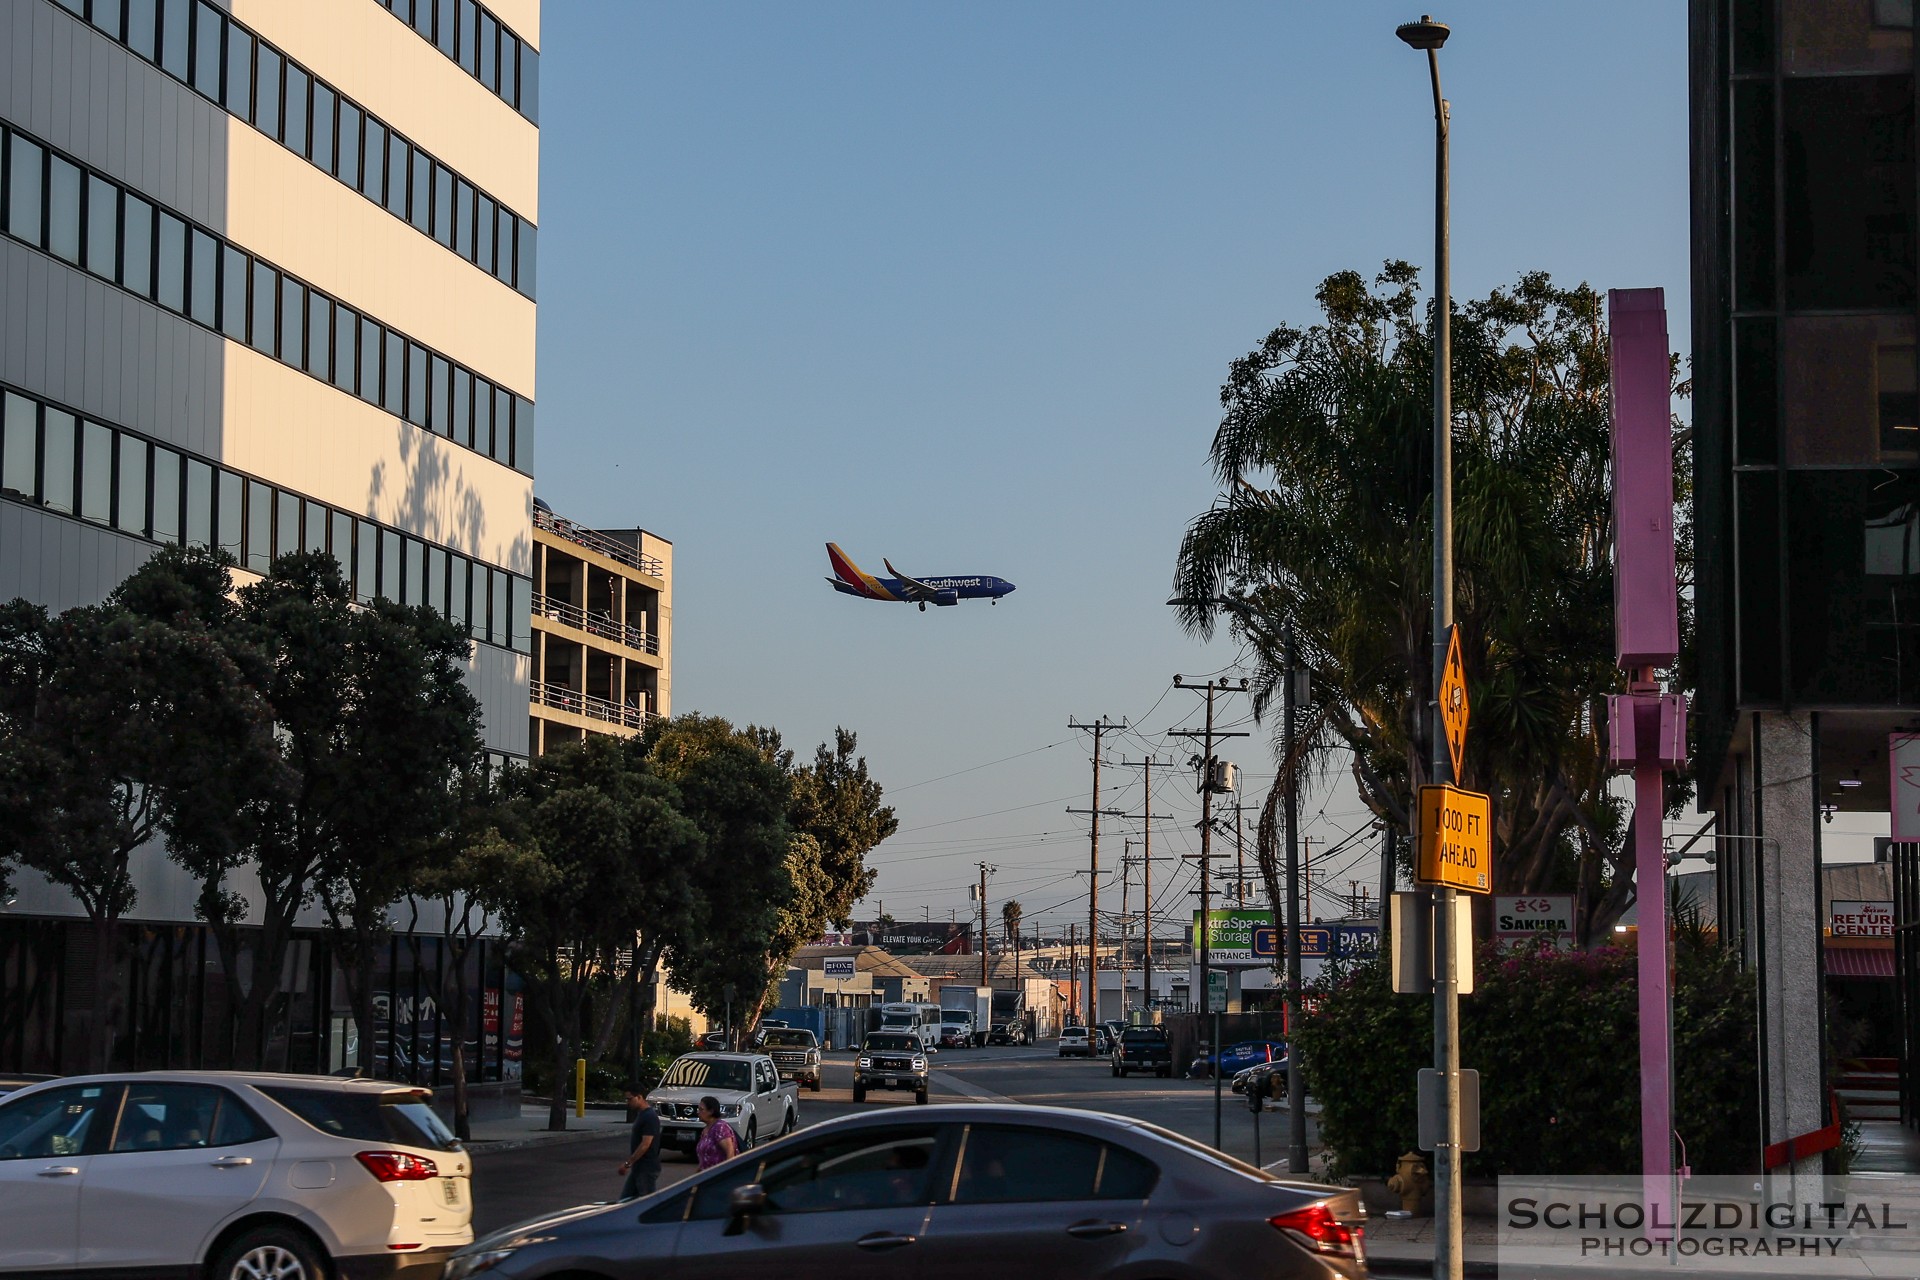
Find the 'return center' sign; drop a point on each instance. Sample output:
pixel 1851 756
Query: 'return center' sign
pixel 1456 839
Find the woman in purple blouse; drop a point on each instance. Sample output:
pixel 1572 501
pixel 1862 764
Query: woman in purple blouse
pixel 717 1141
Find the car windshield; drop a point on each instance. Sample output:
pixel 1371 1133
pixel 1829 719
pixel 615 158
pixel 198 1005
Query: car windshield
pixel 399 1116
pixel 890 1042
pixel 709 1073
pixel 789 1039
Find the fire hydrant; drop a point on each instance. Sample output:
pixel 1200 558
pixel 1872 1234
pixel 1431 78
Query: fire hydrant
pixel 1411 1183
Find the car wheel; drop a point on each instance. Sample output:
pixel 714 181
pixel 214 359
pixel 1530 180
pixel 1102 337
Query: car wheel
pixel 859 1093
pixel 920 1097
pixel 747 1141
pixel 270 1253
pixel 816 1084
pixel 789 1126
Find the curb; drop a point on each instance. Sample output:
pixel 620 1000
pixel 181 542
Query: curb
pixel 478 1147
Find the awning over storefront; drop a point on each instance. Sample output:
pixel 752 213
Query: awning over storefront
pixel 1859 962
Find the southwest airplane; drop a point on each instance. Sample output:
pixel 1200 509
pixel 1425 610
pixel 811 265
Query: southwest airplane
pixel 849 578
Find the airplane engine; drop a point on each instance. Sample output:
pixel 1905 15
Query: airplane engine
pixel 947 598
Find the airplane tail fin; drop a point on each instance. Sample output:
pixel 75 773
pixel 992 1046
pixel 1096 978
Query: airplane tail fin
pixel 845 569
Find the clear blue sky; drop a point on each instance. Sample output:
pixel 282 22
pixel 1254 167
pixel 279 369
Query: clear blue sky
pixel 958 285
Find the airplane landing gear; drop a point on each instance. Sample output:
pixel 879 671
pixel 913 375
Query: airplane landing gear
pixel 923 606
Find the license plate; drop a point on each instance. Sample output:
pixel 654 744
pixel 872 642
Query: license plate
pixel 890 1080
pixel 450 1188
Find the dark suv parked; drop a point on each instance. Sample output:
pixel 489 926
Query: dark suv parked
pixel 1143 1049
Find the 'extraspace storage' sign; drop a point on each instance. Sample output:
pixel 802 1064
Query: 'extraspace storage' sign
pixel 1860 919
pixel 1250 937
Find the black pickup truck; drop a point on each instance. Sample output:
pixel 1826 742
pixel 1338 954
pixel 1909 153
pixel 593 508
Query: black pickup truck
pixel 1143 1049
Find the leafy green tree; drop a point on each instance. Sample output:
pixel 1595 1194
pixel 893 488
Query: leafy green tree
pixel 471 882
pixel 732 786
pixel 111 720
pixel 372 726
pixel 1324 457
pixel 598 881
pixel 837 802
pixel 405 740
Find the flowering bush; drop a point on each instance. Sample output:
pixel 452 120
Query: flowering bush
pixel 1555 1038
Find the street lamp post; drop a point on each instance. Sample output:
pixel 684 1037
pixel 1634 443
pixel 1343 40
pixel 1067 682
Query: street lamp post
pixel 1428 36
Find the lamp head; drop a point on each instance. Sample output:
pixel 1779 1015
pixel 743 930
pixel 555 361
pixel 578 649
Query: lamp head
pixel 1425 34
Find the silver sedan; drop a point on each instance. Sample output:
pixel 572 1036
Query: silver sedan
pixel 954 1193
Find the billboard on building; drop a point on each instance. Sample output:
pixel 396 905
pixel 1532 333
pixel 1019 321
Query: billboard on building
pixel 906 937
pixel 1244 935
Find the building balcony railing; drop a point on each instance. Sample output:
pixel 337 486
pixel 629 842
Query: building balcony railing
pixel 562 698
pixel 599 624
pixel 594 540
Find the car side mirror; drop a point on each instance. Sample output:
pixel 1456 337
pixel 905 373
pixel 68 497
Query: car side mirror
pixel 748 1200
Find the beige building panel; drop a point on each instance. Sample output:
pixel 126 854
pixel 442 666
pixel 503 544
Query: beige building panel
pixel 373 58
pixel 290 429
pixel 297 218
pixel 521 16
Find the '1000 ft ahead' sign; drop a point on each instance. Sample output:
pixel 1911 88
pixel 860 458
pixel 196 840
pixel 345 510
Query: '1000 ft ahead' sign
pixel 1456 839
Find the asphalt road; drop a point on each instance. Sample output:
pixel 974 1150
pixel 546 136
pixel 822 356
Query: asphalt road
pixel 526 1182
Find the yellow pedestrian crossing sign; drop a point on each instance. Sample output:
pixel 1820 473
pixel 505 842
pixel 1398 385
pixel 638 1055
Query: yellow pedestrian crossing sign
pixel 1453 702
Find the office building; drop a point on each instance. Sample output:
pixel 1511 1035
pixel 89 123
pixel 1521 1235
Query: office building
pixel 1807 475
pixel 602 631
pixel 267 277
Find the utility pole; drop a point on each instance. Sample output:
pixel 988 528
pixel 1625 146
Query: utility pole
pixel 1073 967
pixel 1126 885
pixel 1147 818
pixel 985 871
pixel 1296 1103
pixel 1240 848
pixel 1097 728
pixel 1205 932
pixel 1428 36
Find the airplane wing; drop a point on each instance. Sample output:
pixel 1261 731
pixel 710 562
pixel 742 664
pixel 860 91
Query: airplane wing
pixel 916 590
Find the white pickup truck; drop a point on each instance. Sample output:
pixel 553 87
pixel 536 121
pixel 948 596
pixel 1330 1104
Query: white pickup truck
pixel 752 1097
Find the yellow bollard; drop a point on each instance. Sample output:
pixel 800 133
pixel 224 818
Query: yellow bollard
pixel 579 1087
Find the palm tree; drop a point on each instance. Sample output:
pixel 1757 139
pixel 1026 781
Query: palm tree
pixel 1324 520
pixel 1010 924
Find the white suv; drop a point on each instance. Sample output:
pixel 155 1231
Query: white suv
pixel 1073 1040
pixel 231 1176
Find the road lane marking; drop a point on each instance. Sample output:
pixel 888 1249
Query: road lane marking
pixel 947 1080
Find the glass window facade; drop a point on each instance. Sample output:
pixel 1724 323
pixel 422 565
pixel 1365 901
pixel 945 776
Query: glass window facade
pixel 195 273
pixel 223 61
pixel 100 473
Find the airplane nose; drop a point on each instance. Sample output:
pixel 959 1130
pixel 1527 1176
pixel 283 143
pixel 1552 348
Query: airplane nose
pixel 1006 588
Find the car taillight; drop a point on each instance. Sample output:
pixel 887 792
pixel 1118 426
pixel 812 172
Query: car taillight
pixel 398 1166
pixel 1317 1228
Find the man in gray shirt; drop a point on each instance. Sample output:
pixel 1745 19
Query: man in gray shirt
pixel 643 1166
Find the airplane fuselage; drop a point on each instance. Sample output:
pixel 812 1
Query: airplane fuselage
pixel 850 579
pixel 974 587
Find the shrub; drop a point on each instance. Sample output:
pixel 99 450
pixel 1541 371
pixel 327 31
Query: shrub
pixel 1555 1038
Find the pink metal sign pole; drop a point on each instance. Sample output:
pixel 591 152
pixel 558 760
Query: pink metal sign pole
pixel 1648 728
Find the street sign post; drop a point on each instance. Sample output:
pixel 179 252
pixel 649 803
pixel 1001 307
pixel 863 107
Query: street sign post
pixel 1456 839
pixel 1453 701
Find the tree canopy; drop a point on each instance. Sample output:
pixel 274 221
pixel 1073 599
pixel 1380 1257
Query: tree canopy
pixel 1325 520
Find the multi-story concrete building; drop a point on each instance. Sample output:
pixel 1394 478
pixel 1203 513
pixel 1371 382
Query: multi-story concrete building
pixel 602 630
pixel 266 282
pixel 1806 478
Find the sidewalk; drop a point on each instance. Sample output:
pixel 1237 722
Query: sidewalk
pixel 529 1128
pixel 1404 1246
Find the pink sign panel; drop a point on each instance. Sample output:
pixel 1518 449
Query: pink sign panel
pixel 1646 612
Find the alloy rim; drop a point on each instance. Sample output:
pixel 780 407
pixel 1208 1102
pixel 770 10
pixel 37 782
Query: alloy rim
pixel 269 1262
